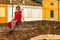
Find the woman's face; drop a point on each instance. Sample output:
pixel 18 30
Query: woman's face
pixel 17 8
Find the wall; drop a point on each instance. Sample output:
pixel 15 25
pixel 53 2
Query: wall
pixel 3 13
pixel 27 30
pixel 47 7
pixel 30 13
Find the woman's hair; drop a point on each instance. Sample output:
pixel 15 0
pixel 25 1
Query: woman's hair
pixel 17 7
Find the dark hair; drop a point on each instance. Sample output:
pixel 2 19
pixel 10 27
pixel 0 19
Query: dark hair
pixel 18 7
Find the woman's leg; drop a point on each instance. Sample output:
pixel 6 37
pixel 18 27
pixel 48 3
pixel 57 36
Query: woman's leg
pixel 13 24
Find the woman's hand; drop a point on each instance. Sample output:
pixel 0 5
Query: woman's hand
pixel 23 20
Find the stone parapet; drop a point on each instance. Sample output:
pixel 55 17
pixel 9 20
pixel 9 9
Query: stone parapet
pixel 27 30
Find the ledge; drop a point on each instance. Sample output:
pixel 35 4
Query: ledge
pixel 27 30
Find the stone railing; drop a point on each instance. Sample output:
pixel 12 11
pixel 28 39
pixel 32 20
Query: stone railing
pixel 27 30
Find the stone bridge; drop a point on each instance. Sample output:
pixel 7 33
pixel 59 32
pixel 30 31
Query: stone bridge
pixel 27 30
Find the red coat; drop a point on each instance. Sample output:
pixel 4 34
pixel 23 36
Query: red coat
pixel 18 16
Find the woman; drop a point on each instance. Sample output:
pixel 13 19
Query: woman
pixel 17 18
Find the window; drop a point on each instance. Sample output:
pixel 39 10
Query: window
pixel 52 4
pixel 51 13
pixel 2 13
pixel 33 0
pixel 37 1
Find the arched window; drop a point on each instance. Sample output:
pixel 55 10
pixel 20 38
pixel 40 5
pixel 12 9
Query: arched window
pixel 51 13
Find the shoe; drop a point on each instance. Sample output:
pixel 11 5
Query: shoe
pixel 11 31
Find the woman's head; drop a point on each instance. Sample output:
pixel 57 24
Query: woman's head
pixel 18 8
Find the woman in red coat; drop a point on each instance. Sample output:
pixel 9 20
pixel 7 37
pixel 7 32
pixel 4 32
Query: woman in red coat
pixel 17 18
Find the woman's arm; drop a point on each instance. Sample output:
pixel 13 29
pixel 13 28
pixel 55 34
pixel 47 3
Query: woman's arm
pixel 22 17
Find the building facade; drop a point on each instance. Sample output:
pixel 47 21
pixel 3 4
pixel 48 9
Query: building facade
pixel 51 10
pixel 48 10
pixel 30 12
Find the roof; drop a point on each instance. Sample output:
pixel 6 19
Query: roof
pixel 31 3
